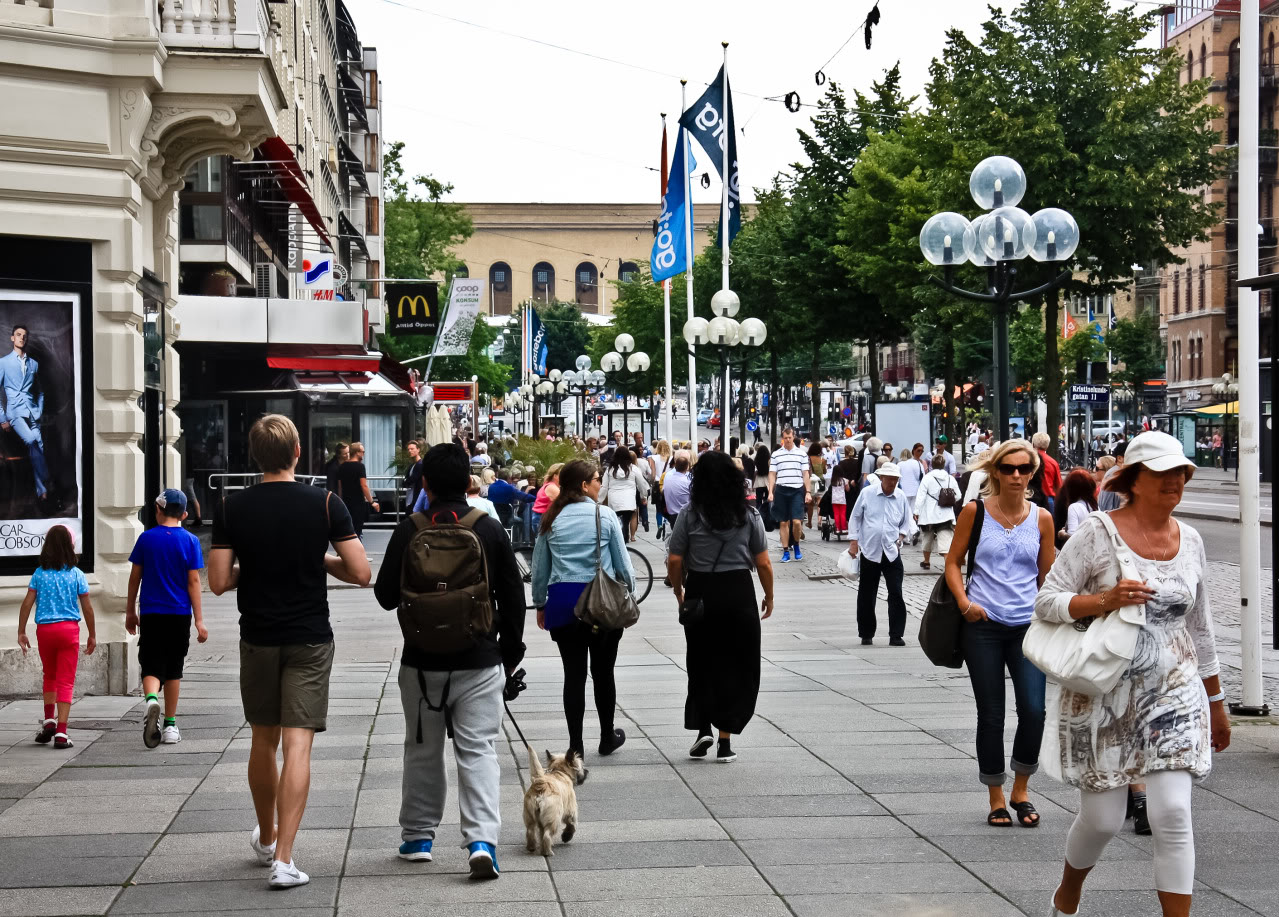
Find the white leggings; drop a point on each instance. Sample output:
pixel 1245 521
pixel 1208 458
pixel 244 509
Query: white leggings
pixel 1101 816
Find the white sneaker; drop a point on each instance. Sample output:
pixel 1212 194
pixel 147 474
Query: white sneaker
pixel 171 735
pixel 286 875
pixel 265 852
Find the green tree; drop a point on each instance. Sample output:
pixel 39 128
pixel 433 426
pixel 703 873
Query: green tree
pixel 422 229
pixel 1103 126
pixel 1135 345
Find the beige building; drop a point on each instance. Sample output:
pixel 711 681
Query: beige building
pixel 564 252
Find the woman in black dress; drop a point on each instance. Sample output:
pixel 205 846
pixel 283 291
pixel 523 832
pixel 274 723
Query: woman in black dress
pixel 716 542
pixel 353 488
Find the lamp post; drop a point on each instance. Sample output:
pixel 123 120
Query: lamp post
pixel 514 402
pixel 997 240
pixel 1226 390
pixel 723 333
pixel 579 384
pixel 1127 399
pixel 636 364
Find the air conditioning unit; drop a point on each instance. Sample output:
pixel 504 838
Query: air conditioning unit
pixel 264 280
pixel 333 158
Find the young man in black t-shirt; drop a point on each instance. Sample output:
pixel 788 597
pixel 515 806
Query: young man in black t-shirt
pixel 280 531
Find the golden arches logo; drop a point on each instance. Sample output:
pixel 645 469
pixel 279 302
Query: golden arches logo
pixel 412 302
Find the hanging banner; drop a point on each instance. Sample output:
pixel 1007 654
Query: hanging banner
pixel 669 248
pixel 460 319
pixel 535 343
pixel 42 430
pixel 412 307
pixel 705 120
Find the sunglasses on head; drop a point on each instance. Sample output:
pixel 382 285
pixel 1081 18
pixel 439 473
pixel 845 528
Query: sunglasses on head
pixel 1008 468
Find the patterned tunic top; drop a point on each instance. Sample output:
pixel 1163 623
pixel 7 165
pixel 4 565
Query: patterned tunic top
pixel 1156 717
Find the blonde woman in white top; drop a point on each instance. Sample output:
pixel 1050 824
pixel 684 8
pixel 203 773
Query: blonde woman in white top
pixel 624 486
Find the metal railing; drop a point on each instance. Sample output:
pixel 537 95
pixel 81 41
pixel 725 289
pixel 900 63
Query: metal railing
pixel 241 25
pixel 221 483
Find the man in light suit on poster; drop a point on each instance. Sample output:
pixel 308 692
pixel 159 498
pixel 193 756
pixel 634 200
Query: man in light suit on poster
pixel 22 404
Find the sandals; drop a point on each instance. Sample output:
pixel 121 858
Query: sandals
pixel 999 818
pixel 1024 812
pixel 925 565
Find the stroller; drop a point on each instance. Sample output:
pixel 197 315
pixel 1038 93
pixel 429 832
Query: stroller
pixel 826 517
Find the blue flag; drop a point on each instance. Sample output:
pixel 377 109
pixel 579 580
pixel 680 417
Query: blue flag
pixel 706 122
pixel 536 343
pixel 670 248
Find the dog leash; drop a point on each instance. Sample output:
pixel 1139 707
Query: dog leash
pixel 516 724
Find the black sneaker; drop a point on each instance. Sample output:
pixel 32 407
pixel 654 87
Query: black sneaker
pixel 610 744
pixel 725 754
pixel 896 641
pixel 1140 818
pixel 701 746
pixel 866 641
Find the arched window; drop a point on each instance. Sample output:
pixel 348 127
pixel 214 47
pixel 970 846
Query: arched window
pixel 1270 50
pixel 1203 61
pixel 586 287
pixel 1203 288
pixel 628 271
pixel 544 282
pixel 1176 292
pixel 1190 300
pixel 1190 66
pixel 462 271
pixel 500 288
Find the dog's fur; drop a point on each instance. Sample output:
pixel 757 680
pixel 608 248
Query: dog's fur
pixel 551 801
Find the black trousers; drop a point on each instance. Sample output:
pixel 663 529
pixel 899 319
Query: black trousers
pixel 868 589
pixel 577 644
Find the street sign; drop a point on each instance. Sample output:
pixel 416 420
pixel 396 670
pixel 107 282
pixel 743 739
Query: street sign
pixel 832 430
pixel 848 412
pixel 1090 394
pixel 752 425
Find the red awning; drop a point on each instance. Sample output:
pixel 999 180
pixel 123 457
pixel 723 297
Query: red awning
pixel 355 363
pixel 288 172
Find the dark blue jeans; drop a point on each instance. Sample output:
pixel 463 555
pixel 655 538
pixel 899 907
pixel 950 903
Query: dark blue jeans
pixel 989 649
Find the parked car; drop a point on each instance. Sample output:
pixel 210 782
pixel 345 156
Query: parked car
pixel 713 423
pixel 704 416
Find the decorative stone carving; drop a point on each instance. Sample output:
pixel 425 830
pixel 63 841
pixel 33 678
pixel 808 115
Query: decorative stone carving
pixel 178 135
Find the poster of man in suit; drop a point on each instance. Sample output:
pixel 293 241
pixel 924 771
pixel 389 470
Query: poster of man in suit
pixel 40 423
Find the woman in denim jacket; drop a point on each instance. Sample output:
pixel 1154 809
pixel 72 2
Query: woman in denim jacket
pixel 563 566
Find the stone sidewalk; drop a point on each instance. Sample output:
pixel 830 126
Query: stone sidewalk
pixel 855 794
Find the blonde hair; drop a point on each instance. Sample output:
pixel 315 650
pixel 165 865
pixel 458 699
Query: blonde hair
pixel 488 476
pixel 1105 463
pixel 553 471
pixel 990 487
pixel 474 487
pixel 663 448
pixel 356 448
pixel 273 443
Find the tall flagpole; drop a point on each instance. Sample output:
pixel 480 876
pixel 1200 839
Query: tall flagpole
pixel 727 400
pixel 667 416
pixel 688 274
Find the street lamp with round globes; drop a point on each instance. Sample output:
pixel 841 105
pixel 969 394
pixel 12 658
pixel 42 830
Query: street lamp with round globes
pixel 1227 390
pixel 583 362
pixel 636 363
pixel 996 241
pixel 724 333
pixel 624 343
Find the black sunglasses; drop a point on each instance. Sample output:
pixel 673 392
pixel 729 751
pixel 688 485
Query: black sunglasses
pixel 1006 468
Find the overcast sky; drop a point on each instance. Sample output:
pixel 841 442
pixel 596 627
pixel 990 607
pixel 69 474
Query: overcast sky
pixel 508 119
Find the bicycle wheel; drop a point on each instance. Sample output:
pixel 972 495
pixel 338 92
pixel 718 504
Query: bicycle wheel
pixel 643 574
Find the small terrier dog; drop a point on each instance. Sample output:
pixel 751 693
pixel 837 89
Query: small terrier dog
pixel 551 801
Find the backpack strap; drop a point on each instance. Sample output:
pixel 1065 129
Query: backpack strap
pixel 471 518
pixel 420 521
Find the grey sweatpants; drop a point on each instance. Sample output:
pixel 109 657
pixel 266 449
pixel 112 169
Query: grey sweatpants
pixel 475 697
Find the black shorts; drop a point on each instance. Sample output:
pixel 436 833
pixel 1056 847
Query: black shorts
pixel 163 641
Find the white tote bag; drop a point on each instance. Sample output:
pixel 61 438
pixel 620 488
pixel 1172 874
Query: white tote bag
pixel 1089 655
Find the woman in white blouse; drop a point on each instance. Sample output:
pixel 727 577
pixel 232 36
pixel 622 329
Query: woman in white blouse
pixel 624 486
pixel 1167 715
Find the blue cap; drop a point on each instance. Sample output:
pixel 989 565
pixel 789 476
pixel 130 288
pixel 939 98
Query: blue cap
pixel 172 497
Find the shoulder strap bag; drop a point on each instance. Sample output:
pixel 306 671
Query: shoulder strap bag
pixel 693 611
pixel 939 631
pixel 1089 655
pixel 606 603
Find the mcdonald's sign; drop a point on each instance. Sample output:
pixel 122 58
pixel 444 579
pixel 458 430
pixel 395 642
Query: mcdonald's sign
pixel 412 308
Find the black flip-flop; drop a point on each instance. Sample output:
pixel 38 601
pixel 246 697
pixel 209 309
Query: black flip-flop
pixel 1024 811
pixel 1000 814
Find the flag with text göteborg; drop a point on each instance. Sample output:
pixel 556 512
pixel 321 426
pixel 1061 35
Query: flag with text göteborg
pixel 706 121
pixel 535 342
pixel 670 248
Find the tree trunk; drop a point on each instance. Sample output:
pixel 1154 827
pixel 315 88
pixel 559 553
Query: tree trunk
pixel 872 364
pixel 951 424
pixel 1052 371
pixel 772 400
pixel 816 368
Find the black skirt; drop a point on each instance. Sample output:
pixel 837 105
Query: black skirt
pixel 723 657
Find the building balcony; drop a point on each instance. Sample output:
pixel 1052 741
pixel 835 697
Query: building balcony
pixel 252 320
pixel 215 25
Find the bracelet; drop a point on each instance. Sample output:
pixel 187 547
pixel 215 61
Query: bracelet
pixel 1219 696
pixel 970 605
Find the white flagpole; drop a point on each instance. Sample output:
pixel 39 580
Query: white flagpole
pixel 667 414
pixel 1110 401
pixel 688 273
pixel 727 401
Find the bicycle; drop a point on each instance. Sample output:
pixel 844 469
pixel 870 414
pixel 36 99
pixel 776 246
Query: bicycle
pixel 639 563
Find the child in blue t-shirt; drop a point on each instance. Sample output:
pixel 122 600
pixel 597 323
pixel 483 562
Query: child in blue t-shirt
pixel 60 594
pixel 166 565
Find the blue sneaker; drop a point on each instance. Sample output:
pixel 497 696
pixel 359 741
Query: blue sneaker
pixel 483 860
pixel 416 851
pixel 786 556
pixel 798 555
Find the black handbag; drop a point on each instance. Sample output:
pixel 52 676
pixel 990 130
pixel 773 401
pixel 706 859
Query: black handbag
pixel 692 612
pixel 939 631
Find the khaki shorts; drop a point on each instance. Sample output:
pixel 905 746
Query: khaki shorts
pixel 937 536
pixel 286 685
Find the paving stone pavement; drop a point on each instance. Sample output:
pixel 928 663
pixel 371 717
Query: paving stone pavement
pixel 855 793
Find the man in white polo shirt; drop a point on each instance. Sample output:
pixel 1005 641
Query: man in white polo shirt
pixel 788 492
pixel 880 523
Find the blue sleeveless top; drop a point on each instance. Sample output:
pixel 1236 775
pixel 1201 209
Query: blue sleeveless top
pixel 1006 570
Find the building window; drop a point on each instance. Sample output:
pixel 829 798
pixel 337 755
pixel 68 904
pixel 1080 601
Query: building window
pixel 1190 301
pixel 544 282
pixel 628 271
pixel 374 273
pixel 1190 66
pixel 1176 292
pixel 372 217
pixel 372 153
pixel 586 290
pixel 500 288
pixel 370 89
pixel 1203 61
pixel 1176 361
pixel 1203 288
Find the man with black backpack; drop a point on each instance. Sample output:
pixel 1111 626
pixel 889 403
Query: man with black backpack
pixel 451 574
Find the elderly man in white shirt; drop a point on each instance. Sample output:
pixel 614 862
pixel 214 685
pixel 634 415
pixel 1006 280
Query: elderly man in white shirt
pixel 881 522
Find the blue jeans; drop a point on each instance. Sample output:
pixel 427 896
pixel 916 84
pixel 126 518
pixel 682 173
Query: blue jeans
pixel 989 648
